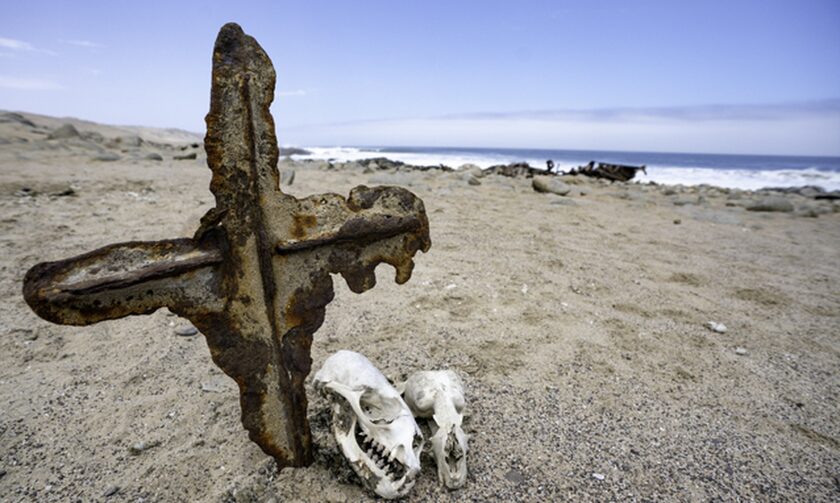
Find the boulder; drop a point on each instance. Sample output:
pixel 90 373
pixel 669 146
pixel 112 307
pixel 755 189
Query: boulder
pixel 65 131
pixel 472 169
pixel 771 203
pixel 550 185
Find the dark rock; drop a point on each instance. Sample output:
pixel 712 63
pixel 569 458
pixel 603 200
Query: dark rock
pixel 287 151
pixel 383 163
pixel 608 171
pixel 546 184
pixel 154 156
pixel 772 203
pixel 69 191
pixel 186 157
pixel 515 169
pixel 829 196
pixel 63 132
pixel 112 490
pixel 12 117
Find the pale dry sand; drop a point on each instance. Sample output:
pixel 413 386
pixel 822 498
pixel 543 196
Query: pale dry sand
pixel 577 324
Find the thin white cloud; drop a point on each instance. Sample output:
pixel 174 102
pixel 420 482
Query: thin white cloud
pixel 28 84
pixel 20 45
pixel 296 92
pixel 759 112
pixel 82 43
pixel 808 128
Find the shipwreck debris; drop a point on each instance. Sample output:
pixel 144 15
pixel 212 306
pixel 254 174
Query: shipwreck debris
pixel 255 278
pixel 612 172
pixel 516 169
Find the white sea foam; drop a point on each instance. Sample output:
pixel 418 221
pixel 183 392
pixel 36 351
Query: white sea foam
pixel 344 154
pixel 672 175
pixel 743 178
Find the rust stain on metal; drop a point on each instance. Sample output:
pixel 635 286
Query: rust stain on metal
pixel 302 223
pixel 255 278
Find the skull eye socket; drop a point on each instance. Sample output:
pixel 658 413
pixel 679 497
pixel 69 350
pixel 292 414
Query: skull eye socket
pixel 424 401
pixel 416 442
pixel 458 401
pixel 379 409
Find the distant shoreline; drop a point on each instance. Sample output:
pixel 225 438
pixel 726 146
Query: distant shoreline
pixel 734 172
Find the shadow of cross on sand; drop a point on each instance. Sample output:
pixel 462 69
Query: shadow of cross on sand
pixel 255 278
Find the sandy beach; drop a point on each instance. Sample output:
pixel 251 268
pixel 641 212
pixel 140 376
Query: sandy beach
pixel 578 324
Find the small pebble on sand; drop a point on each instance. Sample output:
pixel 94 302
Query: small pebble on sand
pixel 112 490
pixel 740 351
pixel 186 331
pixel 515 476
pixel 716 327
pixel 598 476
pixel 139 447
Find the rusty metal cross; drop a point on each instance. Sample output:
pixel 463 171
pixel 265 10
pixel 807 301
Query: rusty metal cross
pixel 255 278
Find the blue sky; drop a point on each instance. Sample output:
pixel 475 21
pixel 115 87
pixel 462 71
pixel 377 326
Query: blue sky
pixel 736 76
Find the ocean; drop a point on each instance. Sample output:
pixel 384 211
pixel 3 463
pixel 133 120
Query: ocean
pixel 733 171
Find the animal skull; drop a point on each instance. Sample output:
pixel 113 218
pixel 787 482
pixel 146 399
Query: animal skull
pixel 371 423
pixel 439 396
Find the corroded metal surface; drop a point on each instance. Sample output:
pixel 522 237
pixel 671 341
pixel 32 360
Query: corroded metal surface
pixel 255 278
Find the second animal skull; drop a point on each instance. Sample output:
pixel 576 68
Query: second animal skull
pixel 438 396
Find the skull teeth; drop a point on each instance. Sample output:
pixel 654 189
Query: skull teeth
pixel 379 455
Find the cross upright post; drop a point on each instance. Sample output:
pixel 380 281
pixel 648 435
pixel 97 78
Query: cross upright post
pixel 255 278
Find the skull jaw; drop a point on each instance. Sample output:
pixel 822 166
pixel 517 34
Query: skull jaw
pixel 374 476
pixel 449 448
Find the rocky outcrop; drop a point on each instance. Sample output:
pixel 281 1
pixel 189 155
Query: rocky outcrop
pixel 64 132
pixel 515 169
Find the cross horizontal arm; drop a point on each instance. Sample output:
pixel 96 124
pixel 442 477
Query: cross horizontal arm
pixel 124 279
